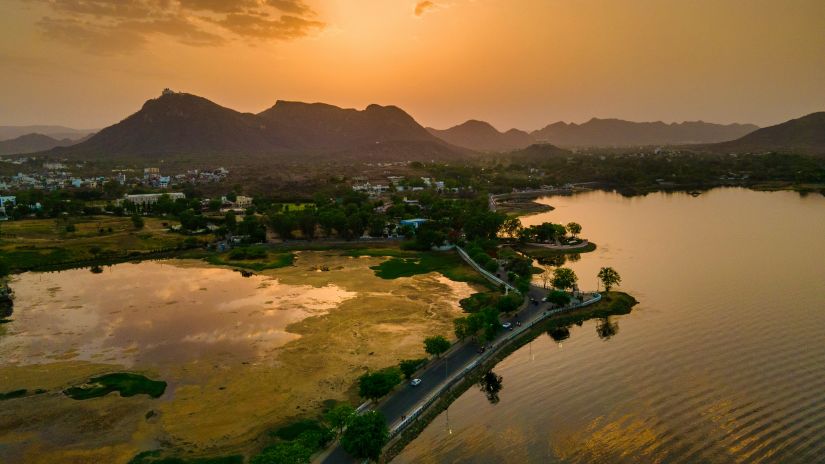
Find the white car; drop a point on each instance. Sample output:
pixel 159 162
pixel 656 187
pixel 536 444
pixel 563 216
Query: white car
pixel 507 325
pixel 415 382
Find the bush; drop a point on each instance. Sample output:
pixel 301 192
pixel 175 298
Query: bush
pixel 558 297
pixel 248 253
pixel 409 366
pixel 491 266
pixel 374 385
pixel 284 453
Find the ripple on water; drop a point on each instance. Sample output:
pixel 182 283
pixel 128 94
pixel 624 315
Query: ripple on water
pixel 723 360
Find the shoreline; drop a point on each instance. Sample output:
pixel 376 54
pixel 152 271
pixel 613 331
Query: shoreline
pixel 612 304
pixel 527 204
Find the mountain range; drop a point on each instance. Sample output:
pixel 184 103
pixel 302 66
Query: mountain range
pixel 185 124
pixel 481 136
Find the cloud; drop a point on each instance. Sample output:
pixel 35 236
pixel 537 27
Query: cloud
pixel 123 26
pixel 92 38
pixel 284 28
pixel 423 7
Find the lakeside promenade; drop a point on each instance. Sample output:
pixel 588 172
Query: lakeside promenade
pixel 404 405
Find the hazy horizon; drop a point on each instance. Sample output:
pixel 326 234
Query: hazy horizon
pixel 522 64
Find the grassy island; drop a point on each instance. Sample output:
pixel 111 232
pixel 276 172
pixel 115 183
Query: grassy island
pixel 125 383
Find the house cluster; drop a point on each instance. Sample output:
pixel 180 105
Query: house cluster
pixel 152 177
pixel 238 206
pixel 57 175
pixel 397 184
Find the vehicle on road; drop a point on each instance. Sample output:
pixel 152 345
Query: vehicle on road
pixel 415 382
pixel 507 325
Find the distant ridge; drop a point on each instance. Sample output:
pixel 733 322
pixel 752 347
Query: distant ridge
pixel 805 135
pixel 184 124
pixel 481 136
pixel 55 132
pixel 620 133
pixel 31 143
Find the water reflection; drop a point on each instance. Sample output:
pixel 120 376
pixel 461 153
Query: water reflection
pixel 559 334
pixel 607 328
pixel 491 384
pixel 157 312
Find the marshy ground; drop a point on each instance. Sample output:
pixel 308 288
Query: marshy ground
pixel 241 356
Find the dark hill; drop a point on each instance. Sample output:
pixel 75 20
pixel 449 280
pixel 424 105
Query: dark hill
pixel 31 143
pixel 537 153
pixel 805 135
pixel 318 126
pixel 178 123
pixel 619 133
pixel 481 136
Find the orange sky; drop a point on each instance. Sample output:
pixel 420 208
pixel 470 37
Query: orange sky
pixel 514 63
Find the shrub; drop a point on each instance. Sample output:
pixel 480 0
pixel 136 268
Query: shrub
pixel 374 385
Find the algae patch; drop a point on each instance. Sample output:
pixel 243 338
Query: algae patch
pixel 127 384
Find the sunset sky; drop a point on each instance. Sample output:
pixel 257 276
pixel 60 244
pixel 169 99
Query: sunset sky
pixel 514 63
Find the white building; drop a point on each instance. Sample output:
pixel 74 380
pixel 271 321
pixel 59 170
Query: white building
pixel 145 199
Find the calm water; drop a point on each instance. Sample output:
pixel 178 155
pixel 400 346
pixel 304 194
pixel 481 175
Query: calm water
pixel 722 362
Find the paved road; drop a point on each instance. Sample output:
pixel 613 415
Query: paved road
pixel 406 398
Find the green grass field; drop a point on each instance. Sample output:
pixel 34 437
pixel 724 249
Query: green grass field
pixel 34 243
pixel 407 265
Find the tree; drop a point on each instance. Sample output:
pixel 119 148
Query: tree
pixel 462 328
pixel 436 345
pixel 374 385
pixel 283 224
pixel 366 436
pixel 308 221
pixel 509 303
pixel 137 221
pixel 574 228
pixel 564 278
pixel 545 278
pixel 511 227
pixel 609 277
pixel 340 416
pixel 95 250
pixel 409 366
pixel 230 221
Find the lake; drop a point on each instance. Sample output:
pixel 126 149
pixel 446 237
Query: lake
pixel 723 360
